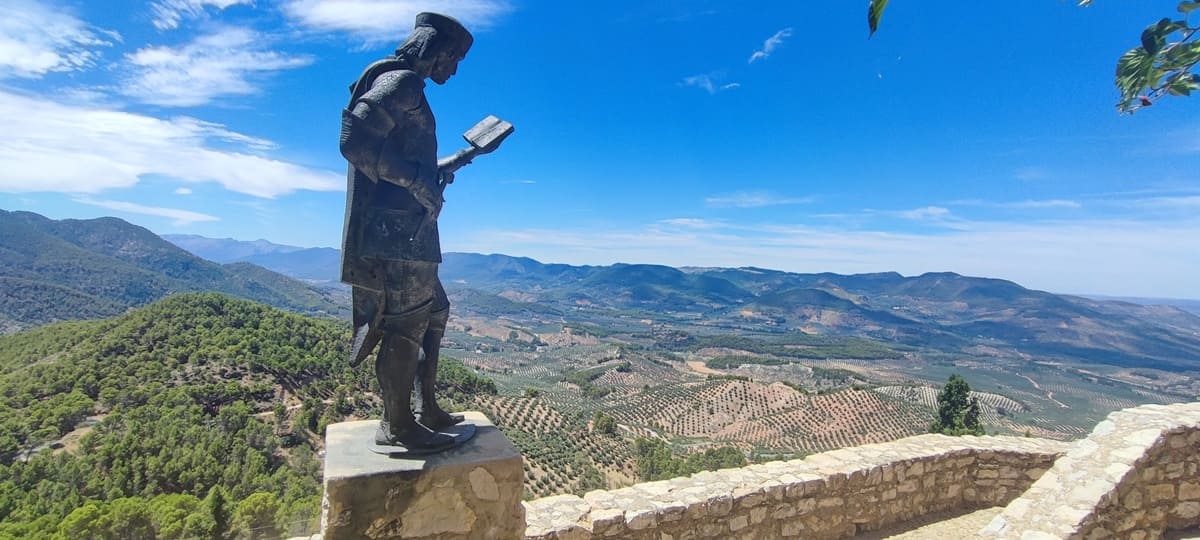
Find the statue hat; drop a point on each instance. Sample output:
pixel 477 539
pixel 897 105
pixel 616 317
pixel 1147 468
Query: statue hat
pixel 448 26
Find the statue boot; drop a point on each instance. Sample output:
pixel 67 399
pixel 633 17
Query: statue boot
pixel 395 366
pixel 432 415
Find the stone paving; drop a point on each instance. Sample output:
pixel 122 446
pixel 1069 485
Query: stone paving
pixel 941 526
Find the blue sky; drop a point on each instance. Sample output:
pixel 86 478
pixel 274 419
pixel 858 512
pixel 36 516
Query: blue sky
pixel 701 133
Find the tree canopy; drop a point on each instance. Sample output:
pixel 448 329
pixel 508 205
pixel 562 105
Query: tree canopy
pixel 957 411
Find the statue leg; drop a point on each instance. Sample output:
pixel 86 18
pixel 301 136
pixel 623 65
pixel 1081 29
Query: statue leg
pixel 432 414
pixel 403 324
pixel 395 366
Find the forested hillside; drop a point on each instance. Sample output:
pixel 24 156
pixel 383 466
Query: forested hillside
pixel 80 269
pixel 196 414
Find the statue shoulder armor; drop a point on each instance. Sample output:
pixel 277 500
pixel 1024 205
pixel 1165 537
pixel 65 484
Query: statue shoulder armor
pixel 396 90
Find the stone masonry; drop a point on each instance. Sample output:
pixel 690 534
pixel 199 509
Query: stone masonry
pixel 473 491
pixel 830 495
pixel 1136 476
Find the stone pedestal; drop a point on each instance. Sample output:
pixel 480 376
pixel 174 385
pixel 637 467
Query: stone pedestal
pixel 472 491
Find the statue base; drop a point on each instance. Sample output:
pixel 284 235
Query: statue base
pixel 471 490
pixel 461 432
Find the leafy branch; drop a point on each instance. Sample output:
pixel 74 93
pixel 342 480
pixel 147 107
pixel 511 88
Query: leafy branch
pixel 1161 66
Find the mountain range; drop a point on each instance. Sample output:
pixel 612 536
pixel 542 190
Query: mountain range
pixel 940 311
pixel 94 268
pixel 309 264
pixel 55 270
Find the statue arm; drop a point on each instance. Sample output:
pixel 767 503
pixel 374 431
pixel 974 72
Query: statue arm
pixel 367 127
pixel 364 128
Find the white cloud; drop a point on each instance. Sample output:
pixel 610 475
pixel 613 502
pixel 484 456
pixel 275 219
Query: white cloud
pixel 704 82
pixel 178 217
pixel 1051 203
pixel 226 63
pixel 388 20
pixel 183 191
pixel 1030 174
pixel 1181 202
pixel 752 199
pixel 37 38
pixel 1117 257
pixel 1028 203
pixel 169 13
pixel 770 45
pixel 80 149
pixel 692 223
pixel 928 213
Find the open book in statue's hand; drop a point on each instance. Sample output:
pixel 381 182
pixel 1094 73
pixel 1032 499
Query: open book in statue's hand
pixel 484 138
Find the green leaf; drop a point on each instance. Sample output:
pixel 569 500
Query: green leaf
pixel 1154 37
pixel 874 13
pixel 1150 40
pixel 1181 55
pixel 1187 6
pixel 1183 85
pixel 1134 72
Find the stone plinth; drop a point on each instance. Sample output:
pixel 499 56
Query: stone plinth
pixel 472 491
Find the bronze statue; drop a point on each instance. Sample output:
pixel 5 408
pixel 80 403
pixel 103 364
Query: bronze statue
pixel 390 246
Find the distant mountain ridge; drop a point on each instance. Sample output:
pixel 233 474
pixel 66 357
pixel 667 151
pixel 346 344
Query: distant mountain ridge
pixel 310 264
pixel 78 269
pixel 941 310
pixel 226 250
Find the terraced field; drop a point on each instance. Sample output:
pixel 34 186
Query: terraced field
pixel 562 454
pixel 659 375
pixel 768 417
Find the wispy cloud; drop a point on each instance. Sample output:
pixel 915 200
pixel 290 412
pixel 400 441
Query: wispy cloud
pixel 928 213
pixel 388 20
pixel 37 38
pixel 179 217
pixel 692 223
pixel 82 149
pixel 1030 174
pixel 937 216
pixel 1050 203
pixel 752 199
pixel 709 83
pixel 1182 202
pixel 229 62
pixel 770 45
pixel 1028 203
pixel 169 13
pixel 183 191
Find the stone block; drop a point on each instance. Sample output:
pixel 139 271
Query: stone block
pixel 1189 491
pixel 474 489
pixel 1160 492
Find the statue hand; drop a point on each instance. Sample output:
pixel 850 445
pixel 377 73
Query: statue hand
pixel 430 199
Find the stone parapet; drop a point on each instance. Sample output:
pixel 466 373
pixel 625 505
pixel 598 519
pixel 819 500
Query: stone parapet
pixel 472 491
pixel 829 495
pixel 1136 476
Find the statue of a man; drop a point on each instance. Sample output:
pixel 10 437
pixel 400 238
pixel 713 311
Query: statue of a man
pixel 390 247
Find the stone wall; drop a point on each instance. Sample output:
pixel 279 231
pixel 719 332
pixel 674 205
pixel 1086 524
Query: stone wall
pixel 1136 476
pixel 829 495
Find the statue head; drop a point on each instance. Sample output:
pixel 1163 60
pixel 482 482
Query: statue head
pixel 436 45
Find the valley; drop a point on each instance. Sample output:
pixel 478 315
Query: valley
pixel 602 376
